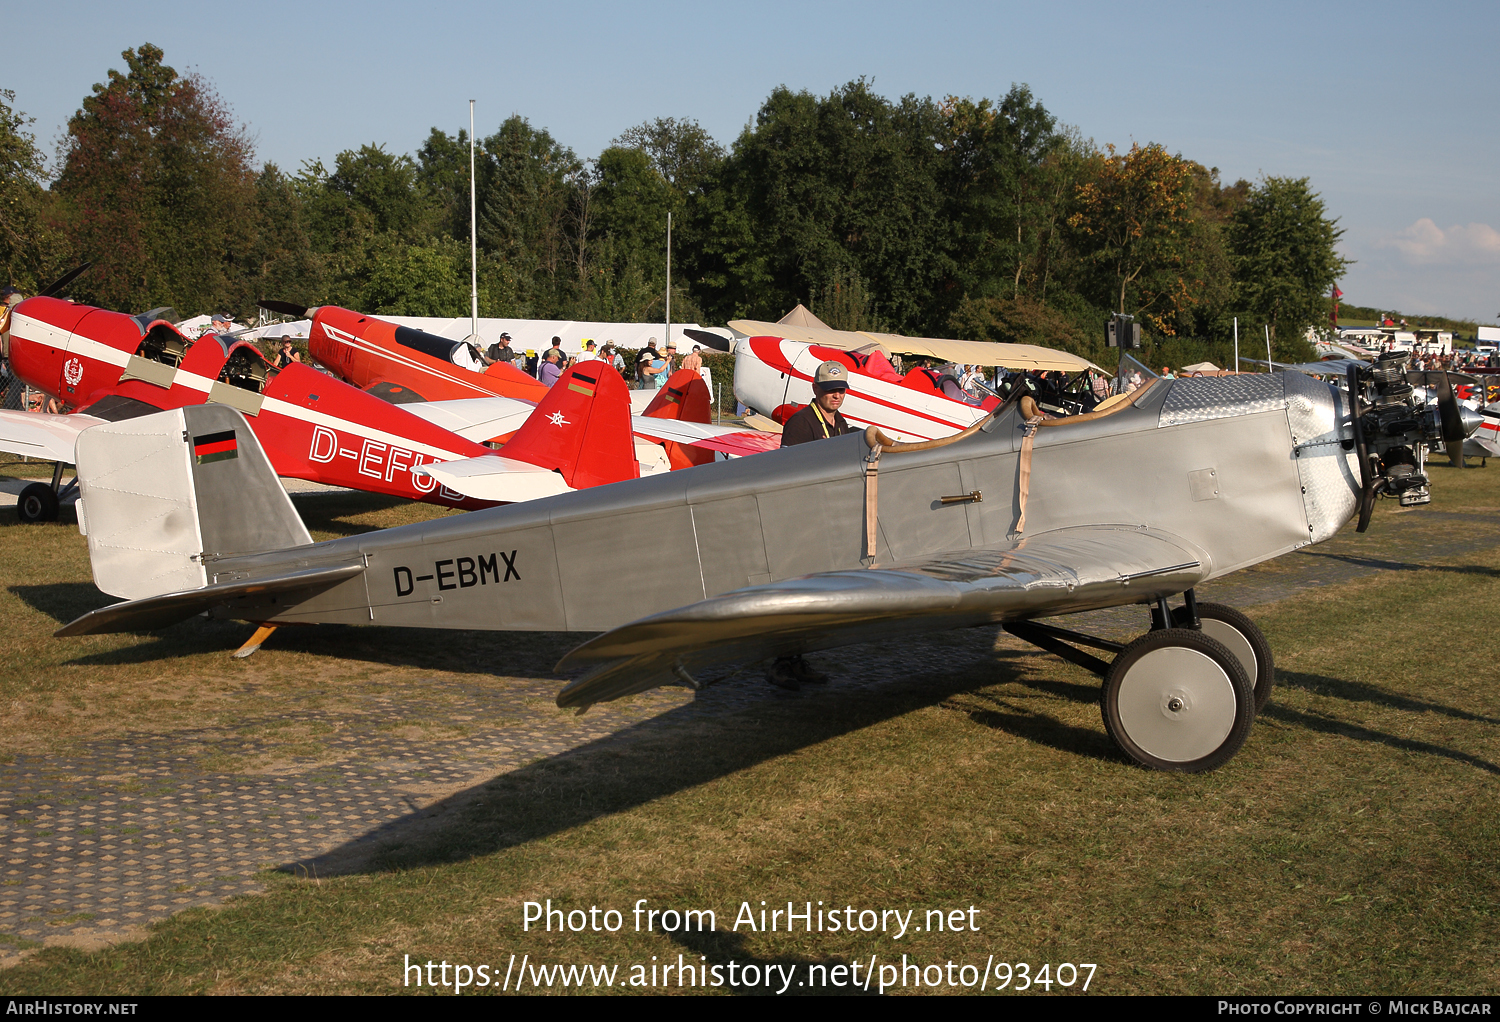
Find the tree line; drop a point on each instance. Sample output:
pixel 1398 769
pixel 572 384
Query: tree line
pixel 985 219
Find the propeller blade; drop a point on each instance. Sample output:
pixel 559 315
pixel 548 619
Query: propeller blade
pixel 709 340
pixel 1448 411
pixel 285 308
pixel 51 290
pixel 1456 454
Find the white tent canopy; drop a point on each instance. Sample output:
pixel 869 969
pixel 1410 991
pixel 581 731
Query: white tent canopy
pixel 526 334
pixel 801 325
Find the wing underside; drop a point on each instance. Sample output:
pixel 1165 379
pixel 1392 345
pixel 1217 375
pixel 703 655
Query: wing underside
pixel 1061 572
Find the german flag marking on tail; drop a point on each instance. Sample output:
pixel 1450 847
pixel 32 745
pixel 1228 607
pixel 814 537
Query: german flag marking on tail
pixel 581 384
pixel 215 447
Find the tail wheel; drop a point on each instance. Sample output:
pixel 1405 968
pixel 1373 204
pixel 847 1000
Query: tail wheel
pixel 1246 641
pixel 1177 699
pixel 37 503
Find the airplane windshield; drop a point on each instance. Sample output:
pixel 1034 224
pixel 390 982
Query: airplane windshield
pixel 1132 375
pixel 427 344
pixel 165 312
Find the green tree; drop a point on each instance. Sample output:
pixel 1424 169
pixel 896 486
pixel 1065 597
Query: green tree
pixel 681 151
pixel 525 216
pixel 1284 249
pixel 280 262
pixel 994 174
pixel 420 280
pixel 847 181
pixel 157 190
pixel 1136 209
pixel 633 200
pixel 384 185
pixel 25 237
pixel 844 303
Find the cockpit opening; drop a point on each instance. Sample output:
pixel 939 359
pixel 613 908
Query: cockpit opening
pixel 163 344
pixel 247 369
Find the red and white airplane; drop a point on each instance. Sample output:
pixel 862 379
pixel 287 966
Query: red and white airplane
pixel 440 380
pixel 403 365
pixel 110 366
pixel 774 376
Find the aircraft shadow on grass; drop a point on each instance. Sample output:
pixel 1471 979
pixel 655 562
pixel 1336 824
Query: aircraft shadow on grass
pixel 62 601
pixel 1362 692
pixel 683 748
pixel 1384 565
pixel 656 758
pixel 1314 720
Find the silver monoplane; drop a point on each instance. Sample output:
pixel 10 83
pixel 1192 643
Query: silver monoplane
pixel 1016 519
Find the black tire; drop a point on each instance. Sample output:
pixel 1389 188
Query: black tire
pixel 1178 700
pixel 1228 625
pixel 37 503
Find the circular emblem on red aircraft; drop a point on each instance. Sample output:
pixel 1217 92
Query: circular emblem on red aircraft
pixel 73 371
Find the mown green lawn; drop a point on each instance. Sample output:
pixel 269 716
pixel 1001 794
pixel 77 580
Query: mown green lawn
pixel 1349 848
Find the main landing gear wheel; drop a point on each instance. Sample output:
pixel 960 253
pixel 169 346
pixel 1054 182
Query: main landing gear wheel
pixel 1177 699
pixel 1246 641
pixel 37 503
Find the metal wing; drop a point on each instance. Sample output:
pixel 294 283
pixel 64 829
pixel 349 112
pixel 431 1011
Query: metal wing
pixel 1060 572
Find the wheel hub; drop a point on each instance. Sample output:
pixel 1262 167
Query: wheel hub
pixel 1177 704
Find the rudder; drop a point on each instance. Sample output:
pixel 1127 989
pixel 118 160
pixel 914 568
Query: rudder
pixel 164 495
pixel 581 429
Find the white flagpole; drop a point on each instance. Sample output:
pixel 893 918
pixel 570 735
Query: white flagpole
pixel 1269 367
pixel 669 283
pixel 473 240
pixel 1236 344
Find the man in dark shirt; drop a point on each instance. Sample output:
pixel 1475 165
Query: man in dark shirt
pixel 821 419
pixel 501 351
pixel 818 421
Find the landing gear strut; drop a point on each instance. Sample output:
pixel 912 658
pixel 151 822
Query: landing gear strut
pixel 1183 696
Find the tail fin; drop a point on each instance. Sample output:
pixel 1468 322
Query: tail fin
pixel 686 399
pixel 581 428
pixel 165 493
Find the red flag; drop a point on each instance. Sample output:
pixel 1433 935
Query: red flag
pixel 1337 294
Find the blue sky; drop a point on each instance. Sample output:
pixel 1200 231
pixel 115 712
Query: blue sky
pixel 1390 109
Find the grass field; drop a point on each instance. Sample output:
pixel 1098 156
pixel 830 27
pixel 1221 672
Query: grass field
pixel 1349 848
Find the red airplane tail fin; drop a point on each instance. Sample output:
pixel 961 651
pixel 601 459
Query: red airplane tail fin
pixel 581 428
pixel 686 399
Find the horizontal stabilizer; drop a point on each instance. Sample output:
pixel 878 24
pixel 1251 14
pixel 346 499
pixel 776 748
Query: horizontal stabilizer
pixel 475 418
pixel 742 443
pixel 680 431
pixel 497 478
pixel 1039 576
pixel 170 608
pixel 46 437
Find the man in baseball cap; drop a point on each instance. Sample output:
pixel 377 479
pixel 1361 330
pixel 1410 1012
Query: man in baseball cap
pixel 821 419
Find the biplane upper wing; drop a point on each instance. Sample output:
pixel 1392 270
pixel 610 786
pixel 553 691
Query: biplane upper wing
pixel 1052 573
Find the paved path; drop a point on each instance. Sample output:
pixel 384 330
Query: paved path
pixel 10 488
pixel 99 839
